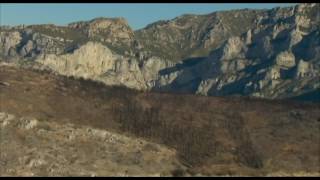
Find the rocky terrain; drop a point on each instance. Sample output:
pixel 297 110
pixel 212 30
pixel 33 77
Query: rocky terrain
pixel 54 125
pixel 272 54
pixel 34 147
pixel 230 93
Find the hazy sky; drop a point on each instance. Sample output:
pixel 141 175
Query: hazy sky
pixel 138 15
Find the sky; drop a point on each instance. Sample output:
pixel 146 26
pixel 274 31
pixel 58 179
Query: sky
pixel 137 15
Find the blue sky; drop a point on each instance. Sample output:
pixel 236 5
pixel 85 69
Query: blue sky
pixel 137 15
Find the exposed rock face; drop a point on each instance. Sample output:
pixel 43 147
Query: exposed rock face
pixel 8 42
pixel 195 35
pixel 262 62
pixel 28 44
pixel 26 48
pixel 97 62
pixel 304 69
pixel 90 60
pixel 265 53
pixel 285 59
pixel 108 30
pixel 232 48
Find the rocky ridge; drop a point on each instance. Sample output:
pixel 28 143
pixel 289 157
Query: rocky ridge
pixel 263 53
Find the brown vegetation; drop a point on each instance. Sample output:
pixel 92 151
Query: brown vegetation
pixel 243 135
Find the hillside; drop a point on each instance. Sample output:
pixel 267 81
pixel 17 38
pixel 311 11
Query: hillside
pixel 271 53
pixel 193 135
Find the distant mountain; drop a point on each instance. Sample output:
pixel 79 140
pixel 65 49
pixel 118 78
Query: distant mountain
pixel 263 53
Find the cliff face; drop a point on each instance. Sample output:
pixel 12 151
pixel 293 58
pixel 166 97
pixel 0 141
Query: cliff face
pixel 269 61
pixel 109 30
pixel 195 35
pixel 97 62
pixel 265 53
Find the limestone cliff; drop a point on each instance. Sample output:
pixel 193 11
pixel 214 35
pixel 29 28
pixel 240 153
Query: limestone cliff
pixel 264 53
pixel 97 62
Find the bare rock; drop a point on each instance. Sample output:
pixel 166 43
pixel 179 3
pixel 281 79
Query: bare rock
pixel 286 59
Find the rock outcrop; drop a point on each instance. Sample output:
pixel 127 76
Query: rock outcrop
pixel 285 59
pixel 9 41
pixel 97 62
pixel 111 30
pixel 263 62
pixel 265 53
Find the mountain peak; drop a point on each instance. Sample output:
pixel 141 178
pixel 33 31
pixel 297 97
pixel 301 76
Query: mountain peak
pixel 106 29
pixel 100 22
pixel 231 46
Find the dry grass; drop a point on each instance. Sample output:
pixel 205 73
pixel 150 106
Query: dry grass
pixel 244 136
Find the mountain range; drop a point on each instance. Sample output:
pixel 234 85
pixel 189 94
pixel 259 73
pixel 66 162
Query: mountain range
pixel 271 53
pixel 97 98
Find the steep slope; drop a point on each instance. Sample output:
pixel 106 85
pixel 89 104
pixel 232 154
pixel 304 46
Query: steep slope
pixel 280 59
pixel 97 62
pixel 33 40
pixel 262 53
pixel 195 35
